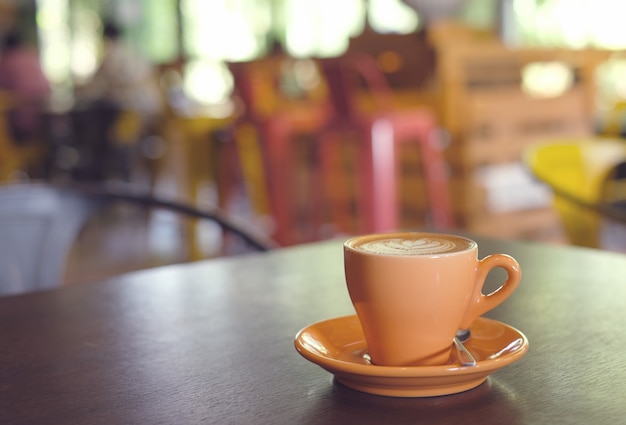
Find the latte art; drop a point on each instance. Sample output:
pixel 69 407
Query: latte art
pixel 420 246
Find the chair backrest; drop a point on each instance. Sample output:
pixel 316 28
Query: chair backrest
pixel 406 60
pixel 40 222
pixel 269 85
pixel 348 75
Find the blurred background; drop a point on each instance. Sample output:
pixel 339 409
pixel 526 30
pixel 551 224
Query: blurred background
pixel 263 108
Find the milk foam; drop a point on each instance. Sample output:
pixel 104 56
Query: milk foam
pixel 419 246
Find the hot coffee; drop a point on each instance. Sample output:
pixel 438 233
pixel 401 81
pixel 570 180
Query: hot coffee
pixel 409 244
pixel 413 291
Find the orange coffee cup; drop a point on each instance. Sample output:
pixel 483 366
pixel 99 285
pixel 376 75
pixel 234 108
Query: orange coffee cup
pixel 412 291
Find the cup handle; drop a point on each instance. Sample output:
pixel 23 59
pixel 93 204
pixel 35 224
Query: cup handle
pixel 481 303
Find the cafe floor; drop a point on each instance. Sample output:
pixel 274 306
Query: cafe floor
pixel 123 238
pixel 120 240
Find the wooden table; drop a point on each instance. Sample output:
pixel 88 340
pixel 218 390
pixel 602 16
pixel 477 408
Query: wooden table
pixel 212 343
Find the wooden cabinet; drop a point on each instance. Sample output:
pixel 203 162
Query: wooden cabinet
pixel 492 113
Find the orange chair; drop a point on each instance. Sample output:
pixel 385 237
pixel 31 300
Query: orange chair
pixel 379 134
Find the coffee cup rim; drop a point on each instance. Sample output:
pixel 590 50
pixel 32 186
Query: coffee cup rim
pixel 348 244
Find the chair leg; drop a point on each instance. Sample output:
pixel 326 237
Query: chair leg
pixel 279 156
pixel 252 169
pixel 435 173
pixel 377 194
pixel 331 189
pixel 421 127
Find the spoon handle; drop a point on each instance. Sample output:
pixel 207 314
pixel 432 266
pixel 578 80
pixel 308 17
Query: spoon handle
pixel 465 357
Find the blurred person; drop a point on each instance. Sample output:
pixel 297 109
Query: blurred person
pixel 26 86
pixel 124 81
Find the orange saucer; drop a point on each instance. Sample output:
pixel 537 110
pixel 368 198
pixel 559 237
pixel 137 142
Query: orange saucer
pixel 338 346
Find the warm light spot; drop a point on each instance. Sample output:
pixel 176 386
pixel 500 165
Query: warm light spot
pixel 390 62
pixel 320 28
pixel 392 16
pixel 207 82
pixel 306 73
pixel 571 23
pixel 546 79
pixel 611 84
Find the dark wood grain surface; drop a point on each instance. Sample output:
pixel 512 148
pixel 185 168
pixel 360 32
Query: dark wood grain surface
pixel 212 343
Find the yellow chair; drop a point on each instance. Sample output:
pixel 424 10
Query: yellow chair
pixel 16 158
pixel 208 159
pixel 578 172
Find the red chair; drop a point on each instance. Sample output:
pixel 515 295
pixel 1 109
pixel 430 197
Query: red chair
pixel 276 121
pixel 379 134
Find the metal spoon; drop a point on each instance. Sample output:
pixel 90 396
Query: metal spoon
pixel 465 357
